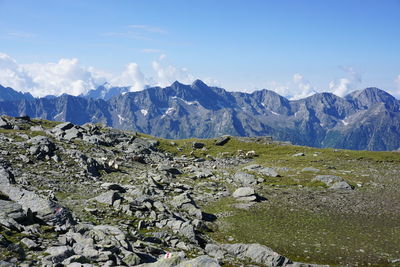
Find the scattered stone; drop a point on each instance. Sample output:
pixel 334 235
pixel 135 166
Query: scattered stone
pixel 58 254
pixel 341 186
pixel 329 180
pixel 222 140
pixel 4 123
pixel 108 197
pixel 198 145
pixel 29 243
pixel 262 170
pixel 244 178
pixel 243 192
pixel 310 169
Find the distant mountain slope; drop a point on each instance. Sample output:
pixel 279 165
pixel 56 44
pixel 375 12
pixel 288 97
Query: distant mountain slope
pixel 9 94
pixel 367 119
pixel 105 92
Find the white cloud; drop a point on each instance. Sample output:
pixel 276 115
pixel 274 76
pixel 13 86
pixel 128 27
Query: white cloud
pixel 132 76
pixel 165 73
pixel 343 86
pixel 12 75
pixel 303 87
pixel 148 28
pixel 150 50
pixel 65 76
pixel 70 77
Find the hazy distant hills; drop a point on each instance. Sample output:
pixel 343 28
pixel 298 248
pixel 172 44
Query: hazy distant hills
pixel 367 119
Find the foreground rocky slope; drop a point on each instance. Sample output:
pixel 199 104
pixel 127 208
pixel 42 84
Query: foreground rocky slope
pixel 94 196
pixel 367 119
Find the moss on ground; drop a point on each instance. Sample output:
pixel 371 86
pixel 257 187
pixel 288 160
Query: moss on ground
pixel 310 237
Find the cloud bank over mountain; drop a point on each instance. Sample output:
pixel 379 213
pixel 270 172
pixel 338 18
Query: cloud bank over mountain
pixel 69 76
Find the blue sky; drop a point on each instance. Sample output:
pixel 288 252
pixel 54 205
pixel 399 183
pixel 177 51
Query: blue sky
pixel 293 47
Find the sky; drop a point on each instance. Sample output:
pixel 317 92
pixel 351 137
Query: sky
pixel 294 47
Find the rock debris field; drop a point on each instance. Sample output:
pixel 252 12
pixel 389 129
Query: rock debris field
pixel 91 195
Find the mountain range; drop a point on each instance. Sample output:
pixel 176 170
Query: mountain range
pixel 368 119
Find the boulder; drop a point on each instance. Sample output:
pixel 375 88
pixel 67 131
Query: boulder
pixel 108 197
pixel 200 262
pixel 4 123
pixel 341 186
pixel 106 235
pixel 113 186
pixel 198 145
pixel 59 253
pixel 11 214
pixel 222 140
pixel 243 192
pixel 244 178
pixel 29 243
pixel 42 147
pixel 45 209
pixel 63 126
pixel 329 180
pixel 256 253
pixel 73 133
pixel 6 177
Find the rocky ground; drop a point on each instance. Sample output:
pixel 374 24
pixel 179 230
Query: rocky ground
pixel 94 196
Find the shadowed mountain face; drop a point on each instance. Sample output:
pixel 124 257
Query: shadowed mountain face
pixel 367 119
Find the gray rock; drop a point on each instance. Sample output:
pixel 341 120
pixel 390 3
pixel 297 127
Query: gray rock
pixel 73 133
pixel 113 186
pixel 172 260
pixel 247 199
pixel 59 253
pixel 200 261
pixel 341 186
pixel 108 197
pixel 168 169
pixel 262 170
pixel 268 171
pixel 198 145
pixel 42 147
pixel 106 235
pixel 63 126
pixel 4 123
pixel 243 192
pixel 44 209
pixel 6 177
pixel 181 199
pixel 299 155
pixel 310 169
pixel 244 178
pixel 77 260
pixel 37 128
pixel 131 259
pixel 11 214
pixel 256 253
pixel 329 180
pixel 222 140
pixel 29 243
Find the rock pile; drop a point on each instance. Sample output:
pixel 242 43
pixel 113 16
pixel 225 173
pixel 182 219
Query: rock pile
pixel 95 196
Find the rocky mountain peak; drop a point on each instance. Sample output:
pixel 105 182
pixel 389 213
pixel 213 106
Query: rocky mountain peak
pixel 198 110
pixel 198 84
